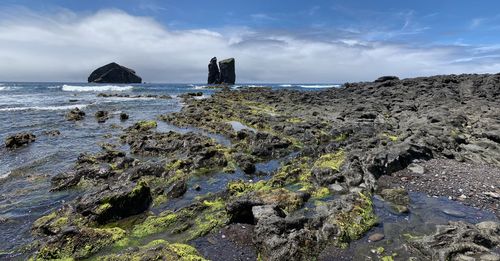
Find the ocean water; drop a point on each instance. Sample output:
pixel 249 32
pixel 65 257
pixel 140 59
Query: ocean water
pixel 38 107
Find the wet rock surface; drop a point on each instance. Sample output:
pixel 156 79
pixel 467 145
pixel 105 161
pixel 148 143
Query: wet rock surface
pixel 75 115
pixel 19 140
pixel 321 196
pixel 459 241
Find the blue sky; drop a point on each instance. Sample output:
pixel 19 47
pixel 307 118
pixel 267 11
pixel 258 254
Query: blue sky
pixel 273 41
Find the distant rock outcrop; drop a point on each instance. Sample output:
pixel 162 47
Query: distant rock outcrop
pixel 213 72
pixel 225 75
pixel 227 71
pixel 387 78
pixel 114 73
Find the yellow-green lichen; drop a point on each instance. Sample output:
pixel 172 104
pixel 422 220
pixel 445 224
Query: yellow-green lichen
pixel 154 224
pixel 158 250
pixel 145 125
pixel 391 137
pixel 321 193
pixel 295 120
pixel 354 223
pixel 341 137
pixel 332 161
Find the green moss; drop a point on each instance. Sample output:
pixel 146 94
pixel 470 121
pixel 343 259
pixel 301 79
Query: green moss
pixel 174 165
pixel 159 250
pixel 295 120
pixel 380 250
pixel 81 245
pixel 320 193
pixel 103 207
pixel 187 223
pixel 355 223
pixel 154 224
pixel 145 125
pixel 298 170
pixel 331 161
pixel 341 137
pixel 214 216
pixel 186 252
pixel 391 137
pixel 239 187
pixel 160 199
pixel 45 219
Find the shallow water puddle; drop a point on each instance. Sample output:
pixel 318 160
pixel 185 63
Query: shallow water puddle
pixel 238 126
pixel 425 213
pixel 213 183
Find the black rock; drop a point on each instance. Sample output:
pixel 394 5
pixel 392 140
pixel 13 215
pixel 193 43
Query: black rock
pixel 387 78
pixel 114 203
pixel 75 115
pixel 114 73
pixel 227 71
pixel 19 139
pixel 102 116
pixel 213 72
pixel 124 116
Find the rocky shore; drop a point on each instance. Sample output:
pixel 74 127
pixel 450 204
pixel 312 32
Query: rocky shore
pixel 154 196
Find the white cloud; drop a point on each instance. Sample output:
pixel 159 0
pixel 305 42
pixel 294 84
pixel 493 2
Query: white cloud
pixel 68 46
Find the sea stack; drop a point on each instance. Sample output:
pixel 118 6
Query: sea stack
pixel 213 72
pixel 224 73
pixel 227 71
pixel 114 73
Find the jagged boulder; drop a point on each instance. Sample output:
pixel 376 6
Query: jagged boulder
pixel 227 71
pixel 114 73
pixel 19 140
pixel 213 72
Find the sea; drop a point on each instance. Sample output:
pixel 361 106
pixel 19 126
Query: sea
pixel 40 107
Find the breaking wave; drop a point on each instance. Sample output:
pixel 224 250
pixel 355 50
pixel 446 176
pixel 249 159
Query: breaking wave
pixel 45 108
pixel 103 88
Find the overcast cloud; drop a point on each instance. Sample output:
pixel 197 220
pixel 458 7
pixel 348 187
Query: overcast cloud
pixel 67 46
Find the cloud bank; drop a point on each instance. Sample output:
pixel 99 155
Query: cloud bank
pixel 67 46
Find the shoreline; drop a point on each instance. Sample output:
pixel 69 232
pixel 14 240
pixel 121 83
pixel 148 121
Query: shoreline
pixel 344 144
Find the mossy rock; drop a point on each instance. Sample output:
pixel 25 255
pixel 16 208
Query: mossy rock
pixel 159 250
pixel 79 243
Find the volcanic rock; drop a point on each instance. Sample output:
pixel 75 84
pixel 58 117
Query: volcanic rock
pixel 75 115
pixel 19 139
pixel 227 71
pixel 114 73
pixel 213 72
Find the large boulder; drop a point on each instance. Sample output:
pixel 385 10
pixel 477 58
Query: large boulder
pixel 19 140
pixel 114 73
pixel 227 71
pixel 213 72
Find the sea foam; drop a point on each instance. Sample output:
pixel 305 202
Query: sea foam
pixel 321 86
pixel 45 108
pixel 102 88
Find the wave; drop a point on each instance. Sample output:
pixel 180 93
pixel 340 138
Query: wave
pixel 286 85
pixel 320 86
pixel 45 108
pixel 102 88
pixel 3 88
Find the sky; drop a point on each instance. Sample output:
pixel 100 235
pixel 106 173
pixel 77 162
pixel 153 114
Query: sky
pixel 273 41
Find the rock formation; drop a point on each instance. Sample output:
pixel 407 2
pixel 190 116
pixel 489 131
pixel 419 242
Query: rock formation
pixel 213 72
pixel 19 140
pixel 226 74
pixel 227 71
pixel 114 73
